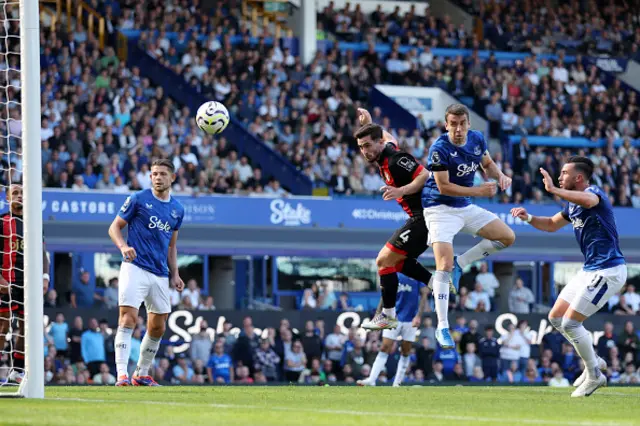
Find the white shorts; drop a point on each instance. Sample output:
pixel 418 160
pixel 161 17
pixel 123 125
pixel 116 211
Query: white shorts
pixel 588 291
pixel 445 222
pixel 404 330
pixel 135 285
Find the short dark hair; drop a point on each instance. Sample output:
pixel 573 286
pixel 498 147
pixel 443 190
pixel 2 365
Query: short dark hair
pixel 583 165
pixel 456 109
pixel 165 163
pixel 373 130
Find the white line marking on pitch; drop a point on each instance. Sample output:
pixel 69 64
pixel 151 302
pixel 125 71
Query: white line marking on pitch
pixel 355 413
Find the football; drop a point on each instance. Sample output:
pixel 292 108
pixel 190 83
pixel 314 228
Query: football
pixel 212 117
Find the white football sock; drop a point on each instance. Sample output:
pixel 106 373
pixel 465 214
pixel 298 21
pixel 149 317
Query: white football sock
pixel 390 312
pixel 583 342
pixel 481 250
pixel 148 350
pixel 122 344
pixel 441 297
pixel 403 364
pixel 557 324
pixel 378 366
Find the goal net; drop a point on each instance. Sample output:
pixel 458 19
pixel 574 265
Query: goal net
pixel 21 285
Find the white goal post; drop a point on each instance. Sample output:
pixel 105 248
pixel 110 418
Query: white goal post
pixel 32 385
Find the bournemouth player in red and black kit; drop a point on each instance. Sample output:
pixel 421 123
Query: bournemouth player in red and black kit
pixel 12 277
pixel 404 178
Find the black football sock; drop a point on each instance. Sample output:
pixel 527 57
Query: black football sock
pixel 389 283
pixel 413 269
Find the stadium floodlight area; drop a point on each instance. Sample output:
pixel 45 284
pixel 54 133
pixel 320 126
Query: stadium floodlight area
pixel 21 154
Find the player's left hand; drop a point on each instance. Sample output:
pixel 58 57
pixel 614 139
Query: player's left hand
pixel 364 117
pixel 178 284
pixel 504 182
pixel 391 193
pixel 416 321
pixel 548 181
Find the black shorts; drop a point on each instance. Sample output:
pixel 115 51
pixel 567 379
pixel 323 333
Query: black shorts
pixel 411 240
pixel 13 303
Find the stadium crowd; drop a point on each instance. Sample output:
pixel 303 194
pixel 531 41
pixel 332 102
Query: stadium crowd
pixel 82 353
pixel 102 121
pixel 537 26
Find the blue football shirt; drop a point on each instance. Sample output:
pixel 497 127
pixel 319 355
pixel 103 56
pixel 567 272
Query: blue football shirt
pixel 596 232
pixel 408 298
pixel 460 161
pixel 151 224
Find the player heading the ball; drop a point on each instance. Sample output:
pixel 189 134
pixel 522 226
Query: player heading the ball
pixel 453 160
pixel 153 218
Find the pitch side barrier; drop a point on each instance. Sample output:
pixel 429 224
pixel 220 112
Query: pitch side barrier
pixel 182 324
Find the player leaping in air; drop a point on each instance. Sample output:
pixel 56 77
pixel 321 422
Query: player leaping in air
pixel 453 159
pixel 604 271
pixel 404 178
pixel 150 256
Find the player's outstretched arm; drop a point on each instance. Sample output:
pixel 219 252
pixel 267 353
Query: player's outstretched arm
pixel 491 169
pixel 115 232
pixel 543 223
pixel 364 118
pixel 446 187
pixel 584 199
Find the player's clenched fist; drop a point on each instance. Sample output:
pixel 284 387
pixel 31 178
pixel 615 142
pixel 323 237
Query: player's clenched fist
pixel 520 212
pixel 488 189
pixel 363 116
pixel 128 253
pixel 178 284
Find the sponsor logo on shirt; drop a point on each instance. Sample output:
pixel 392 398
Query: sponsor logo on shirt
pixel 466 169
pixel 157 223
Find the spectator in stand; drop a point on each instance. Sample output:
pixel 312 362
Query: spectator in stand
pixel 477 298
pixel 632 298
pixel 510 350
pixel 525 349
pixel 104 377
pixel 629 342
pixel 295 362
pixel 182 372
pixel 59 332
pixel 220 365
pixel 470 359
pixel 311 342
pixel 489 352
pixel 110 296
pixel 83 292
pixel 471 336
pixel 92 347
pixel 606 342
pixel 488 280
pixel 192 292
pixel 520 298
pixel 201 344
pixel 267 361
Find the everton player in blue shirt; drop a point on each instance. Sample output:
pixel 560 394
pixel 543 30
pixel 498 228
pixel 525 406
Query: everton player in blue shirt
pixel 410 303
pixel 453 160
pixel 150 256
pixel 604 271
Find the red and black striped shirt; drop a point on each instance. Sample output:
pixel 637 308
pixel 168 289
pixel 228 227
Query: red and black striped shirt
pixel 12 248
pixel 398 169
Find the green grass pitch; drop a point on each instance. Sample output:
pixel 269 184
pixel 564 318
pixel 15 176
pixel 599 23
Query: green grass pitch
pixel 335 406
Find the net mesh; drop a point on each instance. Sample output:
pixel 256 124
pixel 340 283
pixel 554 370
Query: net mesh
pixel 12 243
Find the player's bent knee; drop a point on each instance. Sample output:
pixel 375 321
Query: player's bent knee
pixel 509 238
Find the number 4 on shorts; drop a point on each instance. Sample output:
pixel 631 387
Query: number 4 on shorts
pixel 405 235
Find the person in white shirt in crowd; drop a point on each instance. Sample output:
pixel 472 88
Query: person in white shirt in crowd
pixel 192 292
pixel 488 280
pixel 476 296
pixel 525 349
pixel 308 299
pixel 372 181
pixel 520 298
pixel 558 380
pixel 333 346
pixel 510 350
pixel 632 298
